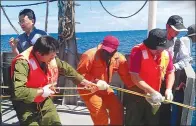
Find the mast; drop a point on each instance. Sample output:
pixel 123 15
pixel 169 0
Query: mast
pixel 67 40
pixel 152 14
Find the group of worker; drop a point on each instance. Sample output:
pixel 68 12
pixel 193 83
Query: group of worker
pixel 35 71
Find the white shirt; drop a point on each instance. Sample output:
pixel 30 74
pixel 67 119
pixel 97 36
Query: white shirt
pixel 183 57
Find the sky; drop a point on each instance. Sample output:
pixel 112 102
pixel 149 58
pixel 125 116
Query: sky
pixel 93 17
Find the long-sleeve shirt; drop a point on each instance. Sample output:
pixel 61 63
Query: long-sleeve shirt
pixel 191 46
pixel 25 41
pixel 92 67
pixel 182 58
pixel 20 77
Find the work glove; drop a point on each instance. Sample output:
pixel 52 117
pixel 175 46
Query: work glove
pixel 155 106
pixel 157 97
pixel 102 85
pixel 47 91
pixel 168 94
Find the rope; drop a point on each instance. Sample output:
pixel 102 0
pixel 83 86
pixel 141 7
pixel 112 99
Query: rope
pixel 47 11
pixel 4 87
pixel 73 95
pixel 68 26
pixel 116 88
pixel 76 95
pixel 125 16
pixel 146 96
pixel 23 5
pixel 9 20
pixel 65 88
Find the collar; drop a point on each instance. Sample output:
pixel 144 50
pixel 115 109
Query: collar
pixel 34 28
pixel 98 57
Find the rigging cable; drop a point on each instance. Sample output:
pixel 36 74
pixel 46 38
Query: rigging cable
pixel 9 21
pixel 23 5
pixel 121 16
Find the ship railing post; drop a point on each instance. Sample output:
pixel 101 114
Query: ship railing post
pixel 189 96
pixel 152 15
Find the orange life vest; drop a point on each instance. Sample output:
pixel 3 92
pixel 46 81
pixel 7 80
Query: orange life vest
pixel 153 72
pixel 36 77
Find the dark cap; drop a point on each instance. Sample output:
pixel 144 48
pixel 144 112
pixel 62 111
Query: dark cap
pixel 176 22
pixel 191 30
pixel 157 38
pixel 110 43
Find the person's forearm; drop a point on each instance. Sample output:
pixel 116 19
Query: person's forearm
pixel 170 78
pixel 141 83
pixel 15 50
pixel 182 63
pixel 85 82
pixel 26 94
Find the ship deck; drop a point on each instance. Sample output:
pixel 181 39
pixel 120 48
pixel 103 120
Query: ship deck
pixel 69 114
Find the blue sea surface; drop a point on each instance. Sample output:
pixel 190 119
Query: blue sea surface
pixel 87 40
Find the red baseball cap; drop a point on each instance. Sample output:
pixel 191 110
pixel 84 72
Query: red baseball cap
pixel 110 43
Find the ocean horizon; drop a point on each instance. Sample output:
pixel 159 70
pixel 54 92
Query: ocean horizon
pixel 87 40
pixel 90 31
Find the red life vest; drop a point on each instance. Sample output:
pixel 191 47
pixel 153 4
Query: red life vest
pixel 153 72
pixel 36 77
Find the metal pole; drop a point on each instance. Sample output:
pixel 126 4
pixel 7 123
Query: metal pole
pixel 152 15
pixel 71 55
pixel 61 20
pixel 46 20
pixel 68 41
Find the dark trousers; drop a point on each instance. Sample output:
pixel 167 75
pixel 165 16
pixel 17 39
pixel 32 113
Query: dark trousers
pixel 177 110
pixel 139 111
pixel 165 109
pixel 176 114
pixel 171 114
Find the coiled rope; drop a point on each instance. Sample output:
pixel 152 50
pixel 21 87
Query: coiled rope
pixel 67 22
